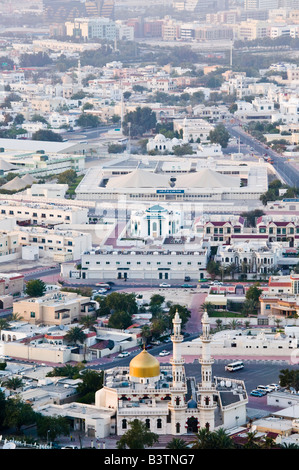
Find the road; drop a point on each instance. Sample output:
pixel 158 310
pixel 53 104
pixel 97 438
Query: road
pixel 287 172
pixel 87 134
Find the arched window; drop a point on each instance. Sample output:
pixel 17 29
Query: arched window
pixel 178 428
pixel 177 400
pixel 148 423
pixel 207 426
pixel 159 423
pixel 124 424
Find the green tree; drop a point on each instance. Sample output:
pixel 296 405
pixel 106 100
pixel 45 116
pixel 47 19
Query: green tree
pixel 137 437
pixel 184 149
pixel 254 292
pixel 122 302
pixel 177 443
pixel 120 320
pixel 183 312
pixel 88 321
pixel 213 268
pixel 13 383
pixel 50 427
pixel 206 439
pixel 92 381
pixel 146 333
pixel 88 120
pixel 138 122
pixel 75 335
pixel 116 148
pixel 35 288
pixel 72 372
pixel 219 135
pixel 67 177
pixel 157 299
pixel 47 135
pixel 4 325
pixel 18 414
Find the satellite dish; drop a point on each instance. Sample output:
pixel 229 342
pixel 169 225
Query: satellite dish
pixel 9 445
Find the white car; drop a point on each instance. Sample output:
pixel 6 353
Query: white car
pixel 124 354
pixel 164 284
pixel 274 387
pixel 164 353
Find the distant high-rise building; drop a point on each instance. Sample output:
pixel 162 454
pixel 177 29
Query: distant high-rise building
pixel 261 4
pixel 104 8
pixel 201 6
pixel 59 11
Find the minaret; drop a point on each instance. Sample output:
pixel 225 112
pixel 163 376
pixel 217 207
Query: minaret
pixel 79 74
pixel 178 374
pixel 177 406
pixel 206 388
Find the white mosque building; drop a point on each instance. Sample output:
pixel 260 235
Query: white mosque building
pixel 161 396
pixel 155 221
pixel 165 399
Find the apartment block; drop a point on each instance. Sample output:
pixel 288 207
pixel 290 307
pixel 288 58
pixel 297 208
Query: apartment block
pixel 136 264
pixel 54 309
pixel 61 245
pixel 43 214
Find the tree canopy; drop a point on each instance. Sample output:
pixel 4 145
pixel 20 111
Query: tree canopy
pixel 138 122
pixel 35 288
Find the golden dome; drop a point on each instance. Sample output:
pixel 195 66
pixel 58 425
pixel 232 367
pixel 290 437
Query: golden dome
pixel 144 365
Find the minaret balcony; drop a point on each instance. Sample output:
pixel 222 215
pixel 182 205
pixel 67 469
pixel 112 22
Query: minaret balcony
pixel 177 362
pixel 202 387
pixel 206 339
pixel 206 362
pixel 177 338
pixel 206 407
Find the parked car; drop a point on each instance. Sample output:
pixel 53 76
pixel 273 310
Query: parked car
pixel 257 393
pixel 204 286
pixel 70 447
pixel 124 354
pixel 164 353
pixel 164 284
pixel 274 387
pixel 187 278
pixel 217 283
pixel 263 388
pixel 187 286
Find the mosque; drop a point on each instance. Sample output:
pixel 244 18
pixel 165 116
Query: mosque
pixel 165 399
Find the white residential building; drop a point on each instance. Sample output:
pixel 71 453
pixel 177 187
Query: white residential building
pixel 61 245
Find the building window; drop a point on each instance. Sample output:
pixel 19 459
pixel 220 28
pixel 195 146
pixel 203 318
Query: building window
pixel 32 314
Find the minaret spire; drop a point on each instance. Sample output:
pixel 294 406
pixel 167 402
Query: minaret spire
pixel 206 389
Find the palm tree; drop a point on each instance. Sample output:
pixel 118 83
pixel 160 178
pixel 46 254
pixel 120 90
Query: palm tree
pixel 223 441
pixel 202 439
pixel 88 321
pixel 252 441
pixel 277 322
pixel 16 317
pixel 145 333
pixel 4 325
pixel 13 383
pixel 177 443
pixel 219 324
pixel 234 324
pixel 75 335
pixel 291 445
pixel 208 307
